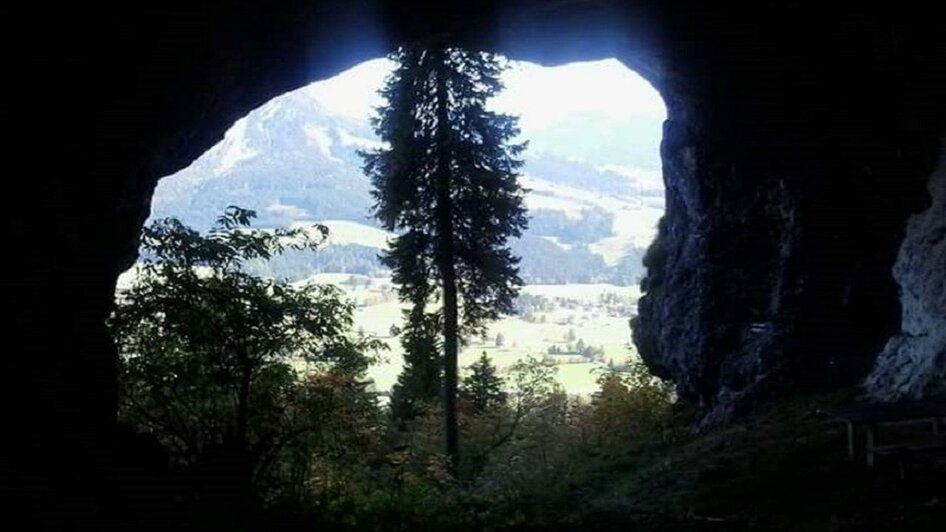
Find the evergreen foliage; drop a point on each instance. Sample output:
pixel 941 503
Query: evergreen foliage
pixel 483 388
pixel 447 184
pixel 420 384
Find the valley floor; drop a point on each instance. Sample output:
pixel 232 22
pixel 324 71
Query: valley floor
pixel 562 318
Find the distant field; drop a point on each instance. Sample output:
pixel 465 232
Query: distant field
pixel 582 292
pixel 588 312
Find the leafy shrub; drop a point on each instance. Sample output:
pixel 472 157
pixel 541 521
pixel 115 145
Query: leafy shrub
pixel 630 405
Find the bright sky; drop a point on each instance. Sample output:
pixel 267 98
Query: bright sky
pixel 540 96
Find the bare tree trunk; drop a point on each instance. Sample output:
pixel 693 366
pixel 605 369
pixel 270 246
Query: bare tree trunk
pixel 241 452
pixel 242 413
pixel 445 263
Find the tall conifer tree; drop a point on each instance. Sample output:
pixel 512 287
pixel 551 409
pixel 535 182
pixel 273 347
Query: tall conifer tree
pixel 447 184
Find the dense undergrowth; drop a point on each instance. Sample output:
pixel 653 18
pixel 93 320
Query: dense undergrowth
pixel 782 469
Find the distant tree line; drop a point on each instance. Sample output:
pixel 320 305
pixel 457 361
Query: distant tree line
pixel 593 225
pixel 296 265
pixel 543 262
pixel 592 353
pixel 577 174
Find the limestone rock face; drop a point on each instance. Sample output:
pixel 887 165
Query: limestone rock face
pixel 913 363
pixel 770 276
pixel 771 273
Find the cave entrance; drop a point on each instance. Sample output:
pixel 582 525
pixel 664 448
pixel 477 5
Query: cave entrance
pixel 592 168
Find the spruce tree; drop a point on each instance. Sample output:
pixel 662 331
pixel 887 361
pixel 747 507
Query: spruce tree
pixel 421 381
pixel 447 184
pixel 483 388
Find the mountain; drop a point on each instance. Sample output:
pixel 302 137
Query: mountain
pixel 290 160
pixel 594 200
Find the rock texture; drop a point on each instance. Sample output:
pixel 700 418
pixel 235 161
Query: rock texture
pixel 788 187
pixel 913 364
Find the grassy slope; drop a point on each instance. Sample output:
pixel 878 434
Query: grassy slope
pixel 784 469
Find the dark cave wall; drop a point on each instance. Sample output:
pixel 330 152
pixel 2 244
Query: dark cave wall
pixel 798 143
pixel 913 362
pixel 772 271
pixel 113 97
pixel 790 174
